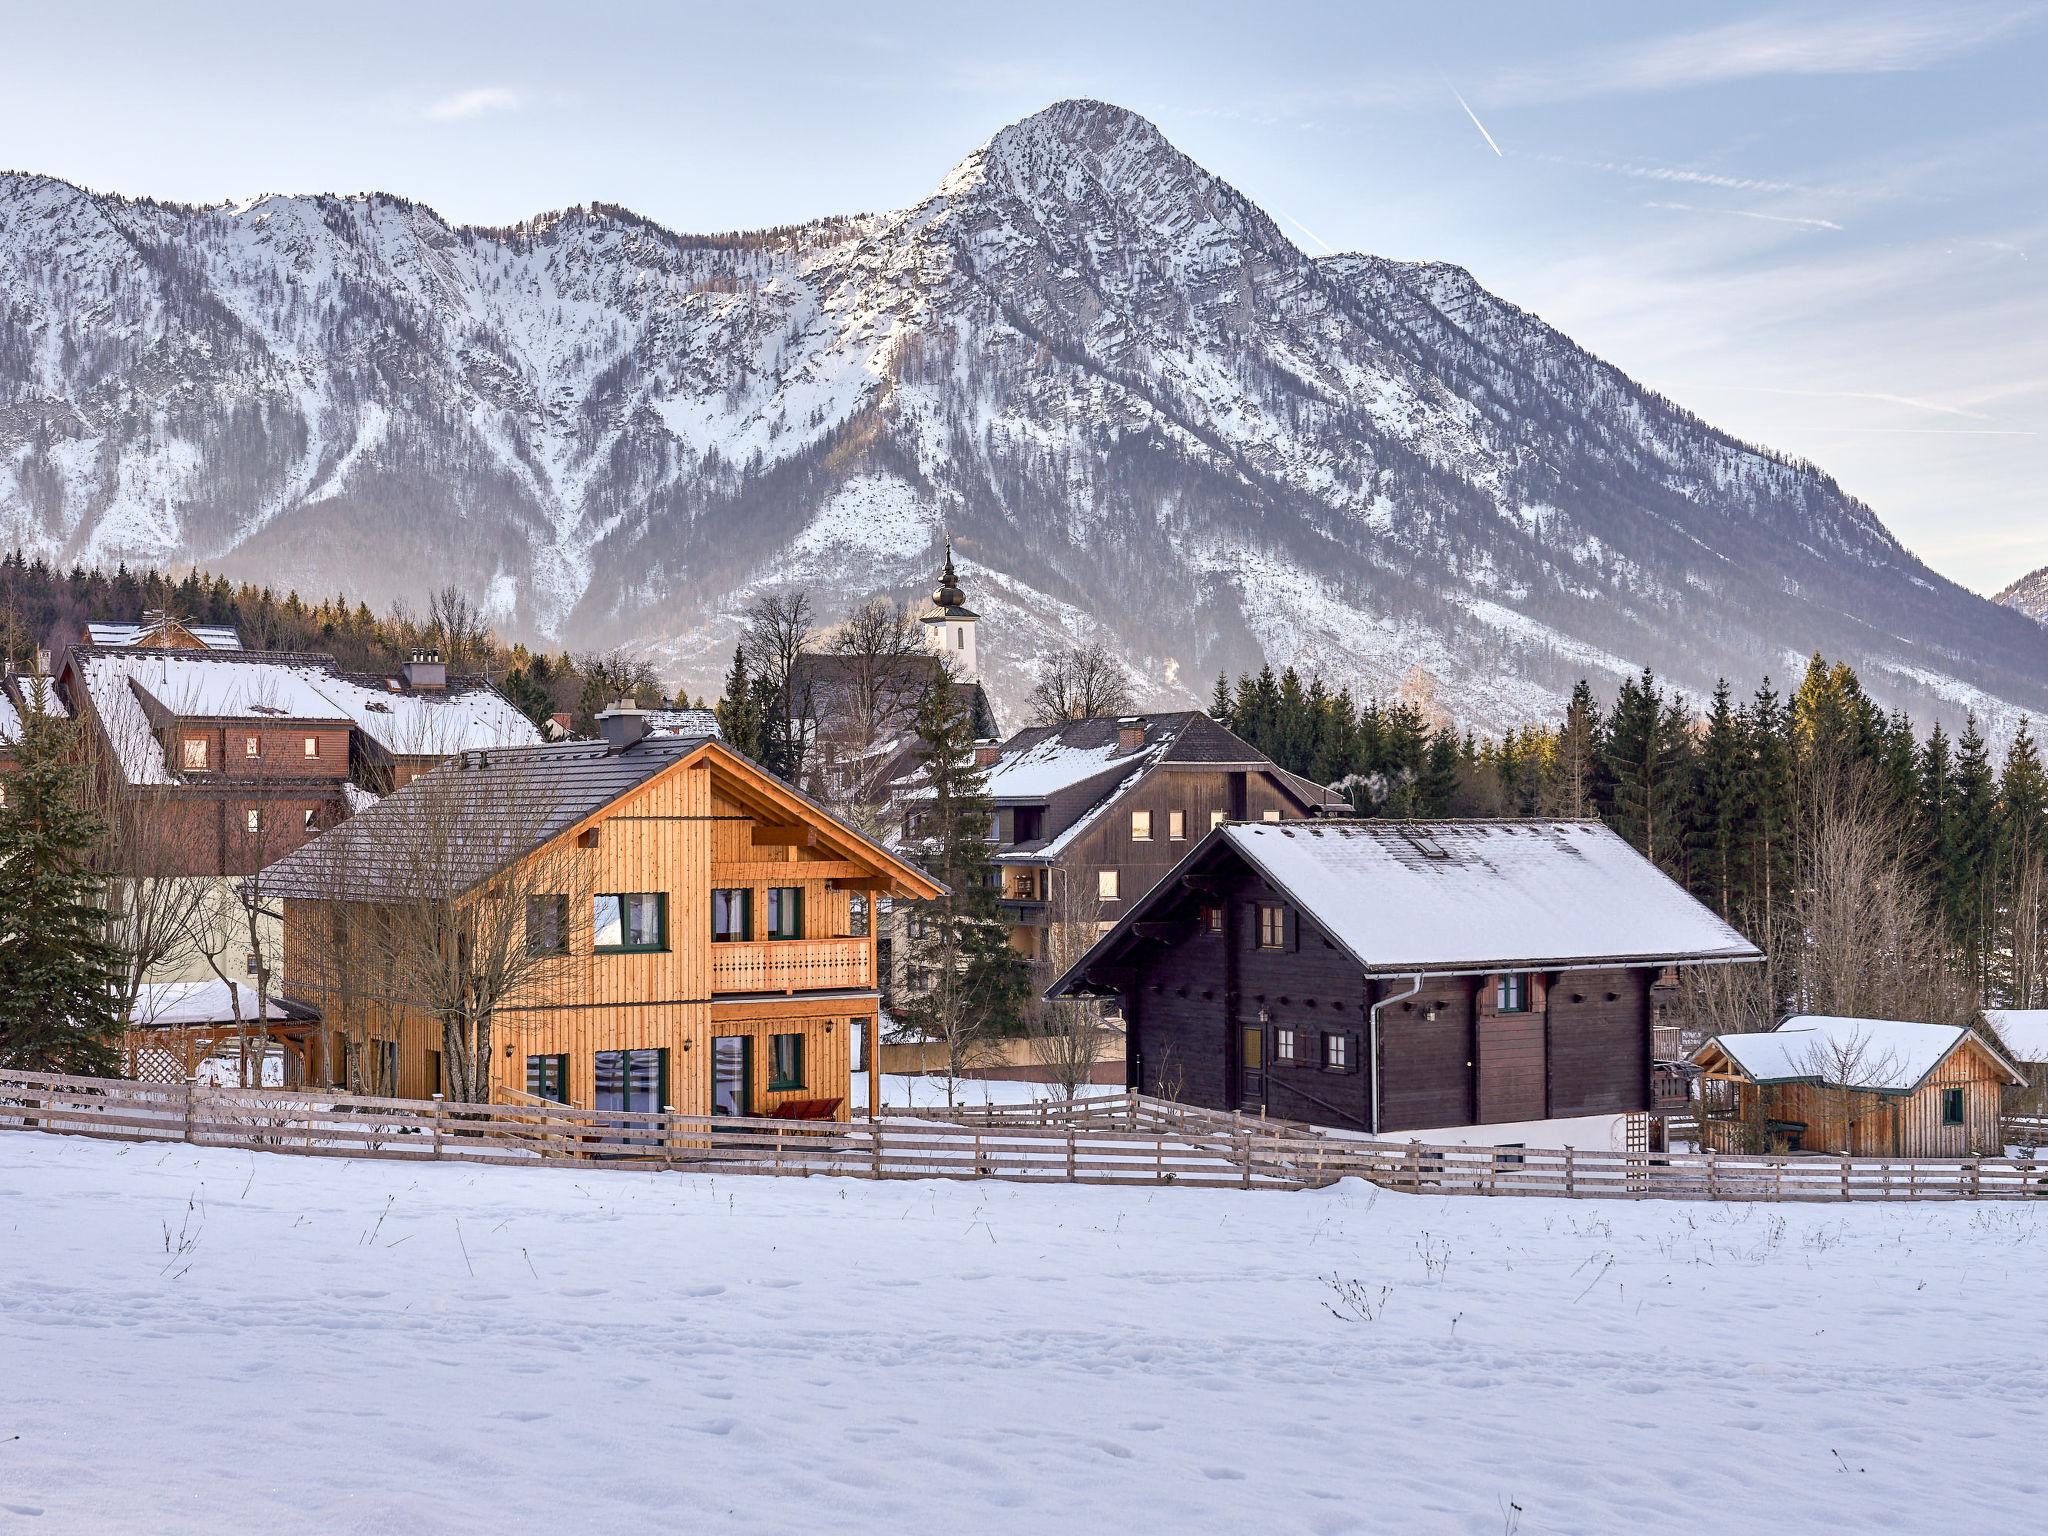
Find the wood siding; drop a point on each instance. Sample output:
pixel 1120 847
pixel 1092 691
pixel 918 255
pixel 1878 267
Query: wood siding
pixel 678 835
pixel 1446 1056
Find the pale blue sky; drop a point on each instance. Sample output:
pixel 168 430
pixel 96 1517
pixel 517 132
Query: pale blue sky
pixel 1820 226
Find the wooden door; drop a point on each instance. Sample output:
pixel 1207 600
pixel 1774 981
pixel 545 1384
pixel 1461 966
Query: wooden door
pixel 1251 1060
pixel 1511 1068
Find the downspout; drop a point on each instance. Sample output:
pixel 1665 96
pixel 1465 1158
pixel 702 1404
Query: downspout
pixel 1373 1015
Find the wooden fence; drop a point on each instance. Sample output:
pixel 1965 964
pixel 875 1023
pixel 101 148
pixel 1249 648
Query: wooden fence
pixel 1114 1139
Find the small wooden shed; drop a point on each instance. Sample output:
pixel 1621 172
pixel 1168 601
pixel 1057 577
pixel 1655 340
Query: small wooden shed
pixel 1865 1087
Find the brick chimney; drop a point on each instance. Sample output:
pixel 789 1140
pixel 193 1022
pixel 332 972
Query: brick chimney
pixel 986 753
pixel 425 670
pixel 622 725
pixel 1130 735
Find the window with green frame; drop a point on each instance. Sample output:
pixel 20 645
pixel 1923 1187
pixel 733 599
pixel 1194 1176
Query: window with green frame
pixel 785 912
pixel 732 915
pixel 1511 993
pixel 547 1077
pixel 785 1062
pixel 629 922
pixel 1951 1106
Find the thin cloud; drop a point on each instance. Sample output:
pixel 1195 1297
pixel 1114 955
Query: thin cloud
pixel 1862 394
pixel 1747 213
pixel 1477 124
pixel 1671 173
pixel 474 103
pixel 1861 41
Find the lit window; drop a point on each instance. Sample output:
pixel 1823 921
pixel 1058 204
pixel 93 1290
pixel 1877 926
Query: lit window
pixel 251 746
pixel 1283 1045
pixel 1511 994
pixel 1215 820
pixel 732 916
pixel 1272 925
pixel 1951 1106
pixel 312 746
pixel 1212 919
pixel 253 819
pixel 632 921
pixel 1269 816
pixel 1176 826
pixel 1106 884
pixel 785 1062
pixel 309 820
pixel 786 912
pixel 1336 1053
pixel 195 751
pixel 1141 826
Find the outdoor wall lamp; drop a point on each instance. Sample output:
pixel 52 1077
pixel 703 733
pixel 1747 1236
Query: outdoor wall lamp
pixel 828 1026
pixel 686 1045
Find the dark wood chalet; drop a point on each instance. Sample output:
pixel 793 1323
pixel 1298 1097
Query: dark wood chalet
pixel 1397 976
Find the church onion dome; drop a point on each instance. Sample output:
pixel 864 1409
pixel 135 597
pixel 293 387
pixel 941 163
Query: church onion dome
pixel 951 597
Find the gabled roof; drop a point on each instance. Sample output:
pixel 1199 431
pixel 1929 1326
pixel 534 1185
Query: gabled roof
pixel 22 695
pixel 685 722
pixel 1461 897
pixel 1044 760
pixel 215 637
pixel 1871 1055
pixel 495 807
pixel 2023 1031
pixel 183 1004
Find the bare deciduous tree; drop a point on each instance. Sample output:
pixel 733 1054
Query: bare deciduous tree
pixel 1068 1036
pixel 779 632
pixel 453 900
pixel 608 677
pixel 874 689
pixel 1083 682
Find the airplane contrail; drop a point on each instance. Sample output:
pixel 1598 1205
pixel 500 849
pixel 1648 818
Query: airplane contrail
pixel 1476 123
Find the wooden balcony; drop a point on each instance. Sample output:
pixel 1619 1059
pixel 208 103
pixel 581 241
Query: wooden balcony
pixel 791 965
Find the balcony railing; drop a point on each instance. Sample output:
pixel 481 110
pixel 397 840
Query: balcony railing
pixel 791 965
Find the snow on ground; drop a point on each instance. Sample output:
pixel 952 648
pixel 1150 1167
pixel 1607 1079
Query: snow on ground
pixel 203 1340
pixel 921 1092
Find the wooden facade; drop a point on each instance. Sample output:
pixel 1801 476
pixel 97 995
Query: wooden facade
pixel 709 820
pixel 1954 1111
pixel 1239 994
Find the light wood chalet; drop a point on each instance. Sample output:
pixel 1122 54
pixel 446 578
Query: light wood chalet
pixel 1861 1087
pixel 712 949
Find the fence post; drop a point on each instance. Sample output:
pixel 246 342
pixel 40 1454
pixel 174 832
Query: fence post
pixel 1571 1172
pixel 1070 1152
pixel 1713 1183
pixel 437 1124
pixel 875 1144
pixel 1244 1148
pixel 1976 1166
pixel 1845 1178
pixel 191 1082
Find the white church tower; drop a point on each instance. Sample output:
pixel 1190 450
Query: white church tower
pixel 949 625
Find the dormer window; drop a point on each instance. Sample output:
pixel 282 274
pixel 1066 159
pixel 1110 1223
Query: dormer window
pixel 251 746
pixel 312 746
pixel 195 754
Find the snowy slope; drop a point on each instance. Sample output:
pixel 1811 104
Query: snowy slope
pixel 205 1341
pixel 1133 401
pixel 2029 595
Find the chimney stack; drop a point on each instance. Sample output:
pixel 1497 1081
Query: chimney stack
pixel 986 753
pixel 425 670
pixel 1130 735
pixel 622 725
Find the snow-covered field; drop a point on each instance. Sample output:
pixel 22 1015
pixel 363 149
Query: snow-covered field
pixel 197 1340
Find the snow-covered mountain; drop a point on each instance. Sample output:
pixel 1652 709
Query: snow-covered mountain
pixel 1135 405
pixel 2029 595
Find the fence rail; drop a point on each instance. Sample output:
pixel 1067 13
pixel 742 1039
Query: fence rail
pixel 1114 1139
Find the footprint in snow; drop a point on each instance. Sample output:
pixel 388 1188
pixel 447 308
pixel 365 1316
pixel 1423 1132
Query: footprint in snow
pixel 525 1415
pixel 1223 1474
pixel 717 1426
pixel 701 1291
pixel 21 1509
pixel 580 1291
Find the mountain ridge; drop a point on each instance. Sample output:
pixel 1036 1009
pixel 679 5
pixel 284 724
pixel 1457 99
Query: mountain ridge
pixel 1137 407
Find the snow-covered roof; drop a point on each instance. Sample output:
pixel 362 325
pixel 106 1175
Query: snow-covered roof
pixel 2022 1031
pixel 684 722
pixel 215 637
pixel 466 716
pixel 254 686
pixel 1879 1055
pixel 177 1004
pixel 1049 766
pixel 1405 896
pixel 26 693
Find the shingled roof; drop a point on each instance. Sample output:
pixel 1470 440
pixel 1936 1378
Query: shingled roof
pixel 467 819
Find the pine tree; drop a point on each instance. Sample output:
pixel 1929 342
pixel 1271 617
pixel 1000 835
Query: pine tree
pixel 1645 751
pixel 1220 708
pixel 1719 804
pixel 2022 855
pixel 1767 833
pixel 976 984
pixel 1437 786
pixel 739 708
pixel 58 973
pixel 1570 791
pixel 1970 887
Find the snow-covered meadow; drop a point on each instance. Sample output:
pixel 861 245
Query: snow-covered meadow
pixel 199 1340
